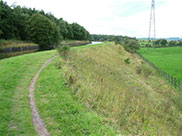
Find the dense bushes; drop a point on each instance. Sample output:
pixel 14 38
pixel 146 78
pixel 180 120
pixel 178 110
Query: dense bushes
pixel 43 31
pixel 79 32
pixel 100 37
pixel 162 43
pixel 63 51
pixel 131 45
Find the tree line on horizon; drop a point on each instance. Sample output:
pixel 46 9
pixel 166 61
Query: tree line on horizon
pixel 26 24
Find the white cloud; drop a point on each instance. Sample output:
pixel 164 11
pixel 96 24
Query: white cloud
pixel 118 17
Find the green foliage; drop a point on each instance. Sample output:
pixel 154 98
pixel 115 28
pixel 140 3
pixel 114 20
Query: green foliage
pixel 127 61
pixel 179 43
pixel 163 42
pixel 79 32
pixel 131 45
pixel 7 26
pixel 15 24
pixel 160 43
pixel 96 37
pixel 64 51
pixel 43 31
pixel 172 43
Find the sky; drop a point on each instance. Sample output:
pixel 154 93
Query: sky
pixel 118 17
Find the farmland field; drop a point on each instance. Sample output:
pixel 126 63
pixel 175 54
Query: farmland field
pixel 167 59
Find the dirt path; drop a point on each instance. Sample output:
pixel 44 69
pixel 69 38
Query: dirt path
pixel 37 121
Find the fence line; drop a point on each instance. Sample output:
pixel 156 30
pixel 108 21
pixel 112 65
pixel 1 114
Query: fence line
pixel 172 80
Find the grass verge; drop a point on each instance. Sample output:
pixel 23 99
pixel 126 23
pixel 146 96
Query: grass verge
pixel 63 114
pixel 15 76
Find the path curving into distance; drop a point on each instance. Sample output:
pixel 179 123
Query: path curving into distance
pixel 36 120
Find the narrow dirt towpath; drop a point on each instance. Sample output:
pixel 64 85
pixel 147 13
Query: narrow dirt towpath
pixel 37 121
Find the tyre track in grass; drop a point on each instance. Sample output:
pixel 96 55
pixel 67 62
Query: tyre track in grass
pixel 36 120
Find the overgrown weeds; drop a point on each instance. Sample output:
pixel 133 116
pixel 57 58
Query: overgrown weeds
pixel 144 70
pixel 64 51
pixel 127 61
pixel 132 95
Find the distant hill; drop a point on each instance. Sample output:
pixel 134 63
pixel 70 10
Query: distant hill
pixel 174 39
pixel 170 38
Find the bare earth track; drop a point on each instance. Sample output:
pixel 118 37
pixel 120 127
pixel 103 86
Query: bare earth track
pixel 37 121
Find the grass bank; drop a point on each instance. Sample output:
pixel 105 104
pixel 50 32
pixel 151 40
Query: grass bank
pixel 62 111
pixel 122 88
pixel 15 76
pixel 167 59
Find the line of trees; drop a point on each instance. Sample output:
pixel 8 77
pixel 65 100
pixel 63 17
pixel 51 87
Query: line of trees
pixel 165 43
pixel 45 29
pixel 97 37
pixel 130 44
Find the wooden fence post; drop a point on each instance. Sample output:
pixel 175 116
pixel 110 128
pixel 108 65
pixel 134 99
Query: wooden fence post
pixel 175 82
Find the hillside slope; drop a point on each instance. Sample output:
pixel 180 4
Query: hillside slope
pixel 130 95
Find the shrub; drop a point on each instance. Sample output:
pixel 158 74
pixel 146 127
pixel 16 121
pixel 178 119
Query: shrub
pixel 138 70
pixel 43 31
pixel 145 70
pixel 131 45
pixel 63 51
pixel 117 42
pixel 127 61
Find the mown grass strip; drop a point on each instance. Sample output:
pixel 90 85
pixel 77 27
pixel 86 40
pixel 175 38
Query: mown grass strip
pixel 15 76
pixel 61 110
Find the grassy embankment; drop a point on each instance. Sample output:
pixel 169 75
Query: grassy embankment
pixel 15 76
pixel 62 111
pixel 167 59
pixel 131 95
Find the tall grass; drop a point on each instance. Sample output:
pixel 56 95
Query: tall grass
pixel 63 114
pixel 131 95
pixel 15 43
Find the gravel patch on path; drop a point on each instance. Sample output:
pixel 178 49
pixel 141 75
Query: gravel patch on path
pixel 36 120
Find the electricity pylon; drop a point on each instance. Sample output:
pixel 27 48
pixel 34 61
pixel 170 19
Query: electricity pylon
pixel 152 27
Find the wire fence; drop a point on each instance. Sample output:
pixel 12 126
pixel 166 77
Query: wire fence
pixel 172 80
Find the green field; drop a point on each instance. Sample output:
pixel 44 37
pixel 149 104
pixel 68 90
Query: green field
pixel 167 59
